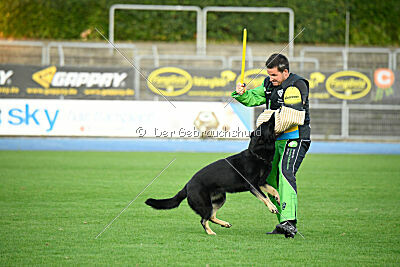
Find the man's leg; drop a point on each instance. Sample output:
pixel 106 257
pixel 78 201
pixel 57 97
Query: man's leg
pixel 292 154
pixel 304 146
pixel 287 181
pixel 272 178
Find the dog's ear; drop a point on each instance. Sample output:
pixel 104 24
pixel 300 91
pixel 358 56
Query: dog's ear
pixel 254 136
pixel 271 125
pixel 270 130
pixel 268 127
pixel 272 121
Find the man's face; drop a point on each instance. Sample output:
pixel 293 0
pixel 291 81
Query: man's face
pixel 277 77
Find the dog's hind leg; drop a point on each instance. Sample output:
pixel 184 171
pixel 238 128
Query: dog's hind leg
pixel 217 201
pixel 206 227
pixel 201 204
pixel 271 191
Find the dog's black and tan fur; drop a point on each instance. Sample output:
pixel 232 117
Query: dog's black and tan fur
pixel 206 191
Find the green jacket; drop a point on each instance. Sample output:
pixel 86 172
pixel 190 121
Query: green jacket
pixel 251 98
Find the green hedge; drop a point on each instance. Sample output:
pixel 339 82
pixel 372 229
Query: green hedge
pixel 373 22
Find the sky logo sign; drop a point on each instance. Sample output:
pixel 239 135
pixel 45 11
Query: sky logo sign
pixel 31 116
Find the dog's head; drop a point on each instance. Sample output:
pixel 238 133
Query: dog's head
pixel 262 140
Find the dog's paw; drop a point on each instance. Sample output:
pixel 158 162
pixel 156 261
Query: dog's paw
pixel 211 232
pixel 273 209
pixel 227 225
pixel 278 200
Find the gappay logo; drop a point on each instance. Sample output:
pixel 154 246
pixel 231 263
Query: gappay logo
pixel 50 77
pixel 5 76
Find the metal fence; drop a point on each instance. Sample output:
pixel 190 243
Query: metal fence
pixel 65 53
pixel 343 121
pixel 20 52
pixel 353 122
pixel 199 25
pixel 201 19
pixel 102 53
pixel 85 53
pixel 356 122
pixel 352 57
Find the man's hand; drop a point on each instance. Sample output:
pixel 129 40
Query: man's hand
pixel 240 88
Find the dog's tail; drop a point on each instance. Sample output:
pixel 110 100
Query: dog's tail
pixel 169 203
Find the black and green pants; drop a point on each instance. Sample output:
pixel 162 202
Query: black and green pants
pixel 289 154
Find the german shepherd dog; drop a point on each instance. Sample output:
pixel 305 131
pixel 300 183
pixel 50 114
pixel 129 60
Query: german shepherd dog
pixel 246 171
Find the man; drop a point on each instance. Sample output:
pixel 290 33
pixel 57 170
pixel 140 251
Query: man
pixel 282 88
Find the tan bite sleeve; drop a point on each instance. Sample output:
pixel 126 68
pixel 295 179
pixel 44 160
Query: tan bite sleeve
pixel 285 118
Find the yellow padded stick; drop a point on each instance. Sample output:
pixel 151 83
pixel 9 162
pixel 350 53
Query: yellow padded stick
pixel 243 54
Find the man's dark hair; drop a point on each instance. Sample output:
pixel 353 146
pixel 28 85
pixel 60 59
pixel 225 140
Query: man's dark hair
pixel 279 61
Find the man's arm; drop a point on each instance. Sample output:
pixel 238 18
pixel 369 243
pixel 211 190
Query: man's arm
pixel 250 98
pixel 295 97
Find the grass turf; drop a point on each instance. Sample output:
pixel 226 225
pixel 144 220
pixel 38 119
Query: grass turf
pixel 53 204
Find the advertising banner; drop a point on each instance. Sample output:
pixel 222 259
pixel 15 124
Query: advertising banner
pixel 19 81
pixel 124 119
pixel 378 86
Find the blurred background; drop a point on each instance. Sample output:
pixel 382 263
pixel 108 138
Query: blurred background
pixel 86 68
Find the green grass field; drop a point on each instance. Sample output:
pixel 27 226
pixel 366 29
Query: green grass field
pixel 53 204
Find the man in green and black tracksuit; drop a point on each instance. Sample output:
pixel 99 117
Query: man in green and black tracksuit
pixel 282 88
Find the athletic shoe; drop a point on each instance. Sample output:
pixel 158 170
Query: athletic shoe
pixel 275 232
pixel 287 228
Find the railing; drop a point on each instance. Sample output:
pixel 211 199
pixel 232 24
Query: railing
pixel 345 53
pixel 397 51
pixel 252 59
pixel 46 54
pixel 249 58
pixel 61 45
pixel 355 121
pixel 201 20
pixel 329 121
pixel 197 9
pixel 249 10
pixel 28 43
